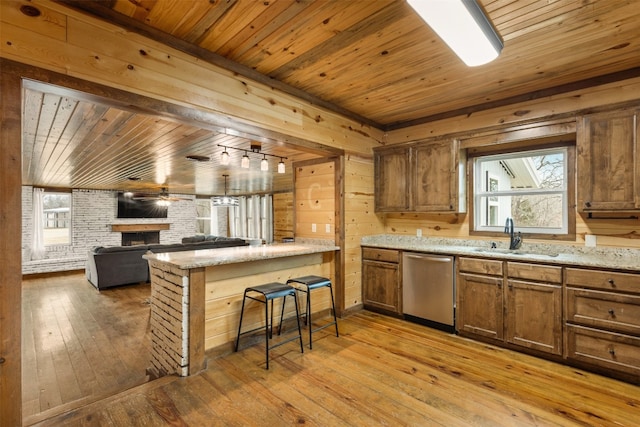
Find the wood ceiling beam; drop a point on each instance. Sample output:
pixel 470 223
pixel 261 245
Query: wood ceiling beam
pixel 100 11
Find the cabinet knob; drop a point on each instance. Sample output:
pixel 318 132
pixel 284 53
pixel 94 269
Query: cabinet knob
pixel 612 313
pixel 611 282
pixel 2 360
pixel 587 204
pixel 612 352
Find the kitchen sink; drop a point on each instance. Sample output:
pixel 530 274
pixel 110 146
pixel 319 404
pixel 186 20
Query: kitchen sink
pixel 515 252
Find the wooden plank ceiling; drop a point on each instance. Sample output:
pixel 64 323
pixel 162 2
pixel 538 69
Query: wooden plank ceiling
pixel 375 61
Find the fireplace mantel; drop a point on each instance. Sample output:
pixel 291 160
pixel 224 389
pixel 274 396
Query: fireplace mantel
pixel 136 228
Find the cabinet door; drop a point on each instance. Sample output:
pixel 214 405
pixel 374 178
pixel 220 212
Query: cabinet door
pixel 435 177
pixel 381 286
pixel 607 172
pixel 392 180
pixel 534 315
pixel 480 305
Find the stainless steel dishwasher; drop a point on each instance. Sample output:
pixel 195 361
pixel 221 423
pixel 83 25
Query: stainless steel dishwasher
pixel 428 290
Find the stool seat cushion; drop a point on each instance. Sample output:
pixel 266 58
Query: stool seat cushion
pixel 312 282
pixel 272 290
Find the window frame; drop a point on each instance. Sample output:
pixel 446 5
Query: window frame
pixel 569 211
pixel 70 220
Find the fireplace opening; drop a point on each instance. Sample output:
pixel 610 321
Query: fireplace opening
pixel 140 238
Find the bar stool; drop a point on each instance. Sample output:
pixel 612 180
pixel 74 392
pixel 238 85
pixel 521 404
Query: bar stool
pixel 270 292
pixel 309 283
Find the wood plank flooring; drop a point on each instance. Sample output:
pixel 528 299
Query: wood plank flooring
pixel 380 371
pixel 80 345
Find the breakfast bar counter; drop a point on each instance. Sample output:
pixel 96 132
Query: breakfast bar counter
pixel 196 296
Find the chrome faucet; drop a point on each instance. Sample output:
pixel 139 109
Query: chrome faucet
pixel 514 241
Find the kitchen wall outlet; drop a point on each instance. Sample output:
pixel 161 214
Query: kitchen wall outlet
pixel 590 240
pixel 327 228
pixel 313 228
pixel 419 232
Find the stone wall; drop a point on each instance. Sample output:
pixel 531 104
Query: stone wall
pixel 93 212
pixel 169 321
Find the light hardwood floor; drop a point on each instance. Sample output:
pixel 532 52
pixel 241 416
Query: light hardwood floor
pixel 80 345
pixel 380 371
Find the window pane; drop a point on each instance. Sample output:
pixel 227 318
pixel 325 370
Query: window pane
pixel 529 187
pixel 531 211
pixel 203 226
pixel 57 218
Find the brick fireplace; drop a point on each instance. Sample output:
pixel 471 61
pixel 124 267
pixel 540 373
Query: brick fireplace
pixel 139 234
pixel 140 238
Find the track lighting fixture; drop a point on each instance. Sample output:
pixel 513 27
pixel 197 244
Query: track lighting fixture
pixel 245 162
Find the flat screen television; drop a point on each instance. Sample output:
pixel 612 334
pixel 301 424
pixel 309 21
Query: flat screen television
pixel 129 207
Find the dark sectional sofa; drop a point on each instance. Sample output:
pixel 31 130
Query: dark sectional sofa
pixel 122 265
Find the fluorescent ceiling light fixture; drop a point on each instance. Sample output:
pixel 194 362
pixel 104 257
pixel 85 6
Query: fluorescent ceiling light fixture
pixel 264 164
pixel 463 26
pixel 281 166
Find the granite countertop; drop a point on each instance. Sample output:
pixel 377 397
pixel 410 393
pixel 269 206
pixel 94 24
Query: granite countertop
pixel 238 254
pixel 613 258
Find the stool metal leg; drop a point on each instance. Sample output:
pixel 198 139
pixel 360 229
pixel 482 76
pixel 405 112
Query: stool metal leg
pixel 244 298
pixel 333 304
pixel 308 318
pixel 267 328
pixel 295 300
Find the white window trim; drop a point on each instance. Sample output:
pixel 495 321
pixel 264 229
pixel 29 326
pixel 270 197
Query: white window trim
pixel 478 192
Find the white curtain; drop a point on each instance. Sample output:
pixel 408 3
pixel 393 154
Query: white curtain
pixel 252 218
pixel 38 249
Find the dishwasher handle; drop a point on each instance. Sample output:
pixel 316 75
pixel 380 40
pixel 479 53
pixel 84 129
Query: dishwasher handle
pixel 429 258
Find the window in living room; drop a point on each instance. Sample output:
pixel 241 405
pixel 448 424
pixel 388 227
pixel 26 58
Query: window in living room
pixel 56 217
pixel 205 218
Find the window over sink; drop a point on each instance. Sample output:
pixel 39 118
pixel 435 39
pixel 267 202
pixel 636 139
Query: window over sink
pixel 531 186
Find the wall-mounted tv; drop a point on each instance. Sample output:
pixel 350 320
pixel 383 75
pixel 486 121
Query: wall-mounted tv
pixel 130 207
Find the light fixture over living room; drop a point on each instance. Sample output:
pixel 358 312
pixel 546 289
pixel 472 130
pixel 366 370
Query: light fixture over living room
pixel 224 201
pixel 463 26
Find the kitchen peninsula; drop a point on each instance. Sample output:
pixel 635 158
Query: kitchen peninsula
pixel 196 296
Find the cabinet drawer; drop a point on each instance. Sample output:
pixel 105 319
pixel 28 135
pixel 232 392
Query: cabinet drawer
pixel 388 255
pixel 606 349
pixel 536 272
pixel 605 310
pixel 481 266
pixel 605 280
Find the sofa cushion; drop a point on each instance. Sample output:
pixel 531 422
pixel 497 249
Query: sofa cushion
pixel 166 247
pixel 112 249
pixel 194 239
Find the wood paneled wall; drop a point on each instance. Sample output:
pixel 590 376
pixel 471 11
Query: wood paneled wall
pixel 282 216
pixel 10 240
pixel 315 189
pixel 360 220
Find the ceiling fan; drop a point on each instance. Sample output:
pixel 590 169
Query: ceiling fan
pixel 163 197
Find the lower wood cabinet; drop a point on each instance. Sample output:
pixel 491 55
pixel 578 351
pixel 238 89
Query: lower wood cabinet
pixel 602 315
pixel 381 281
pixel 480 298
pixel 527 312
pixel 533 307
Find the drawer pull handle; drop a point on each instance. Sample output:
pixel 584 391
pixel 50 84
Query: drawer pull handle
pixel 611 282
pixel 612 352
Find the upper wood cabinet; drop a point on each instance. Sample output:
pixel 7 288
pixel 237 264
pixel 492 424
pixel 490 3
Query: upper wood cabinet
pixel 425 177
pixel 392 180
pixel 608 172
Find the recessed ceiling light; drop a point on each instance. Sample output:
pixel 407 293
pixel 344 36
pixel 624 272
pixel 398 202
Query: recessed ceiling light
pixel 133 178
